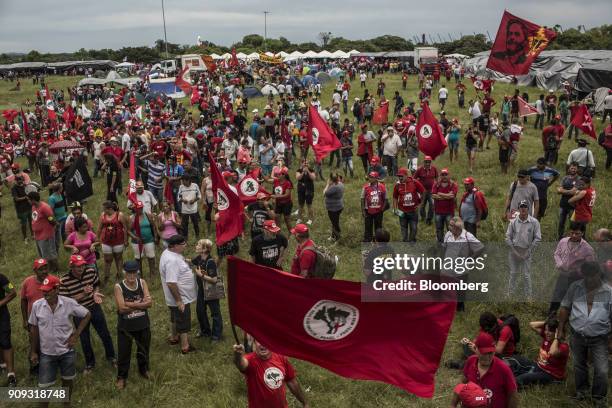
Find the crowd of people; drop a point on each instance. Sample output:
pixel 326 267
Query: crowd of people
pixel 172 143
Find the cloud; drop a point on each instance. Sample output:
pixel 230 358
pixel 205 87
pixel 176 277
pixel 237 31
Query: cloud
pixel 48 26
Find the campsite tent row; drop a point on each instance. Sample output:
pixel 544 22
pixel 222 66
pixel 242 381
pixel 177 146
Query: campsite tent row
pixel 291 56
pixel 59 66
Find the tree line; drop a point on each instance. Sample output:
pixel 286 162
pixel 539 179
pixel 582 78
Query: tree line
pixel 573 38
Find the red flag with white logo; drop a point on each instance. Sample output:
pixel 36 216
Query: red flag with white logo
pixel 320 136
pixel 582 120
pixel 50 107
pixel 248 188
pixel 381 114
pixel 431 139
pixel 325 322
pixel 229 207
pixel 525 109
pixel 482 84
pixel 517 44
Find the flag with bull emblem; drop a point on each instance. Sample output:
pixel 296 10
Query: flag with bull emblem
pixel 248 188
pixel 320 136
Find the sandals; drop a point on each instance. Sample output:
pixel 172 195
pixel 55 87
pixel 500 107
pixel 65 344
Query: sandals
pixel 188 350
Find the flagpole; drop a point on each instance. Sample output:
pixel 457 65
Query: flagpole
pixel 165 36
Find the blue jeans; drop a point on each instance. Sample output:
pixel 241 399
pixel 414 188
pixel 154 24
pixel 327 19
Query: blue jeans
pixel 409 221
pixel 534 376
pixel 48 366
pixel 597 346
pixel 391 163
pixel 564 214
pixel 442 221
pixel 215 314
pixel 158 192
pixel 266 169
pixel 99 323
pixel 427 201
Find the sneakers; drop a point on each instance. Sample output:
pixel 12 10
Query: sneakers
pixel 299 221
pixel 309 222
pixel 12 380
pixel 296 212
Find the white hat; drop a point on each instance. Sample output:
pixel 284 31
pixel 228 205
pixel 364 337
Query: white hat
pixel 267 107
pixel 255 110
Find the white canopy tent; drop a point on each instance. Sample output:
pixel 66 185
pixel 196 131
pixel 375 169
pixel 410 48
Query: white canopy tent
pixel 351 52
pixel 325 54
pixel 227 55
pixel 215 56
pixel 282 54
pixel 340 54
pixel 310 54
pixel 269 54
pixel 125 65
pixel 253 56
pixel 241 55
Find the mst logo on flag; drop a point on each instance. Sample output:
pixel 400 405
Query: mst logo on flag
pixel 222 201
pixel 249 186
pixel 329 320
pixel 426 131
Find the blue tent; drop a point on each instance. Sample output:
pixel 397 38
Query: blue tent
pixel 323 77
pixel 251 92
pixel 309 79
pixel 314 68
pixel 336 72
pixel 294 82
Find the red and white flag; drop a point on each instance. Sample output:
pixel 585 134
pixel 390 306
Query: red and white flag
pixel 24 125
pixel 229 207
pixel 525 109
pixel 50 107
pixel 582 119
pixel 431 139
pixel 182 80
pixel 484 85
pixel 320 136
pixel 132 197
pixel 233 62
pixel 248 188
pixel 381 114
pixel 325 322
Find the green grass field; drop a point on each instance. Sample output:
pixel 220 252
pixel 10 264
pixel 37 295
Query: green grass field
pixel 208 378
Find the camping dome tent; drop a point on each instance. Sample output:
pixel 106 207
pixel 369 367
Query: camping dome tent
pixel 269 88
pixel 294 82
pixel 309 79
pixel 251 92
pixel 323 77
pixel 336 72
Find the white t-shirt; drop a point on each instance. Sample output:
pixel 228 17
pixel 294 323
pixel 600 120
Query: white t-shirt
pixel 336 97
pixel 539 105
pixel 362 77
pixel 324 114
pixel 125 142
pixel 345 95
pixel 189 193
pixel 475 110
pixel 174 269
pixel 443 93
pixel 147 199
pixel 288 88
pixel 392 145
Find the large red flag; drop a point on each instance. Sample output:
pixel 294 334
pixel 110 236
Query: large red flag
pixel 320 136
pixel 482 84
pixel 182 80
pixel 525 109
pixel 431 140
pixel 50 107
pixel 231 211
pixel 248 189
pixel 325 322
pixel 582 120
pixel 10 114
pixel 209 62
pixel 233 62
pixel 131 194
pixel 517 44
pixel 195 95
pixel 381 114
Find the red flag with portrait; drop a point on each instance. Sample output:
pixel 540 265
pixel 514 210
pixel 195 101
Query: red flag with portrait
pixel 182 80
pixel 431 139
pixel 320 136
pixel 229 207
pixel 582 119
pixel 517 44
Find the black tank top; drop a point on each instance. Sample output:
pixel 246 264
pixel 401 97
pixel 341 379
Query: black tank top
pixel 135 320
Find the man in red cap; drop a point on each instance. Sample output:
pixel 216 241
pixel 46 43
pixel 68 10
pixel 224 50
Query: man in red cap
pixel 304 260
pixel 491 373
pixel 407 194
pixel 470 395
pixel 51 327
pixel 82 284
pixel 473 206
pixel 269 248
pixel 444 193
pixel 427 174
pixel 373 203
pixel 376 165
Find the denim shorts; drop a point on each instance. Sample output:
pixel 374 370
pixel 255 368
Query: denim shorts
pixel 46 248
pixel 48 366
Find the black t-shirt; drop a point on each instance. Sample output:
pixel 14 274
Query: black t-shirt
pixel 306 184
pixel 266 252
pixel 4 285
pixel 260 214
pixel 19 192
pixel 206 264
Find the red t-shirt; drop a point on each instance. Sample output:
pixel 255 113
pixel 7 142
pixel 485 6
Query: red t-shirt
pixel 427 177
pixel 41 226
pixel 498 382
pixel 281 188
pixel 159 147
pixel 266 380
pixel 408 194
pixel 30 290
pixel 303 260
pixel 115 151
pixel 374 198
pixel 364 147
pixel 584 208
pixel 444 207
pixel 554 366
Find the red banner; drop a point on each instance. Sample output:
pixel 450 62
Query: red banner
pixel 482 84
pixel 517 44
pixel 526 109
pixel 582 120
pixel 381 114
pixel 320 136
pixel 229 207
pixel 233 62
pixel 431 140
pixel 25 126
pixel 325 322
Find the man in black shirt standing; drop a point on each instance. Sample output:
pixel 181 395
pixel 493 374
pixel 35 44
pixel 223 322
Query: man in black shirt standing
pixel 269 248
pixel 258 212
pixel 22 205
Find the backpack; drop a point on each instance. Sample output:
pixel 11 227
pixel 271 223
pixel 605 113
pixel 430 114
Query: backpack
pixel 513 322
pixel 325 264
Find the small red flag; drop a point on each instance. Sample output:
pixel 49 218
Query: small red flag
pixel 482 84
pixel 525 109
pixel 131 194
pixel 285 136
pixel 233 62
pixel 209 62
pixel 50 107
pixel 320 136
pixel 381 114
pixel 10 114
pixel 231 211
pixel 517 44
pixel 182 81
pixel 582 119
pixel 325 322
pixel 431 140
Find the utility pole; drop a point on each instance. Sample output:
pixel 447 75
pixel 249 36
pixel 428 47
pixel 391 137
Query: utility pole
pixel 265 28
pixel 165 36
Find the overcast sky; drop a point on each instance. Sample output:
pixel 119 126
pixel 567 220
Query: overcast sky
pixel 68 25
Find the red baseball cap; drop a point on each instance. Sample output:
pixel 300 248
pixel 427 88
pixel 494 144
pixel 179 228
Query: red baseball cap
pixel 471 395
pixel 428 158
pixel 270 225
pixel 77 260
pixel 51 282
pixel 402 171
pixel 373 174
pixel 375 159
pixel 468 180
pixel 485 343
pixel 299 229
pixel 39 263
